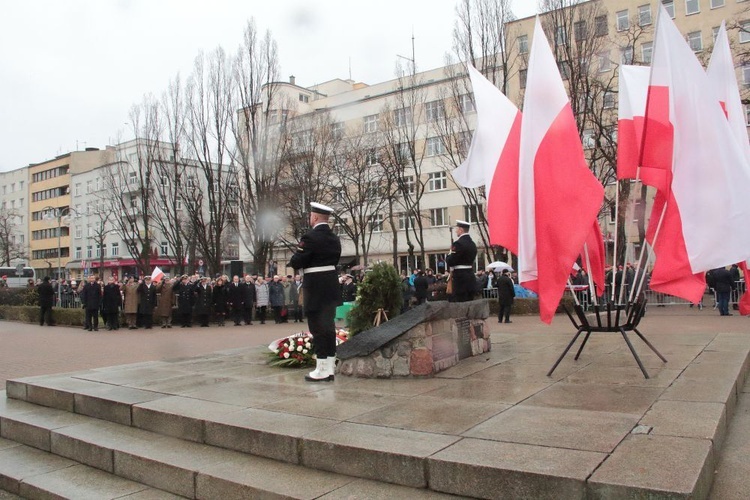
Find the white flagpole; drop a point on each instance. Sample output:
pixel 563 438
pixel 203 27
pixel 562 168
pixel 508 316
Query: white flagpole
pixel 592 291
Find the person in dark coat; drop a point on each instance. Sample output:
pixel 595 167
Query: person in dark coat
pixel 91 300
pixel 723 284
pixel 236 299
pixel 276 298
pixel 318 253
pixel 461 259
pixel 46 301
pixel 421 288
pixel 220 301
pixel 111 303
pixel 147 302
pixel 348 289
pixel 248 299
pixel 203 300
pixel 505 294
pixel 184 289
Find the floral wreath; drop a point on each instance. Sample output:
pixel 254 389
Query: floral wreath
pixel 297 350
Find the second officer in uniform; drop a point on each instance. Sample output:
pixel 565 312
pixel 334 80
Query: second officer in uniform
pixel 461 260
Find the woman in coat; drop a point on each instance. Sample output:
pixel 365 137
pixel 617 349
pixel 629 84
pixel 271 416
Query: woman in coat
pixel 276 298
pixel 111 303
pixel 204 299
pixel 261 299
pixel 221 301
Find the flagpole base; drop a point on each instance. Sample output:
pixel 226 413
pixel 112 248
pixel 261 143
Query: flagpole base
pixel 612 318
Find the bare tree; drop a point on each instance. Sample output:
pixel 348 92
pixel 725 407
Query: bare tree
pixel 258 128
pixel 361 191
pixel 11 247
pixel 210 107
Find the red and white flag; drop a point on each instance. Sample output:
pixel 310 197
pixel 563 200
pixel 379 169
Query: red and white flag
pixel 492 160
pixel 698 214
pixel 722 77
pixel 157 275
pixel 559 198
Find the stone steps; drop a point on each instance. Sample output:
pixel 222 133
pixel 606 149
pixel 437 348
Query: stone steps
pixel 47 452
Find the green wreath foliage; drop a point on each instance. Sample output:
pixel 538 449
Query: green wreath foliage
pixel 381 288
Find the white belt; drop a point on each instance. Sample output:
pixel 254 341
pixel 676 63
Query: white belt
pixel 461 267
pixel 319 269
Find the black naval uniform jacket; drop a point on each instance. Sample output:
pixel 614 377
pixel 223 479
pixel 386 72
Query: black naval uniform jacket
pixel 319 247
pixel 463 253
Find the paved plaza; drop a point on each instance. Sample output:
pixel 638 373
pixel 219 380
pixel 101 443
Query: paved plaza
pixel 497 411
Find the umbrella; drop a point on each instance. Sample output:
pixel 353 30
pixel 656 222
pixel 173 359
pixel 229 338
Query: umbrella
pixel 499 266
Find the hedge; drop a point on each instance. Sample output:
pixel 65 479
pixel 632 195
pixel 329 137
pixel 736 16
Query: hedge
pixel 30 314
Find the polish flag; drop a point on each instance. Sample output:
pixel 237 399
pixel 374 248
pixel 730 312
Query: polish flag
pixel 633 100
pixel 723 79
pixel 558 196
pixel 698 215
pixel 157 275
pixel 492 160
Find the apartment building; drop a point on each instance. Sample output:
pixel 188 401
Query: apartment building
pixel 14 202
pixel 50 214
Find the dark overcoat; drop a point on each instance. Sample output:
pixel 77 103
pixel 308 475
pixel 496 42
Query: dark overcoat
pixel 319 247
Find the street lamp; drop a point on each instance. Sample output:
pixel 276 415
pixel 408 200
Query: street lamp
pixel 50 214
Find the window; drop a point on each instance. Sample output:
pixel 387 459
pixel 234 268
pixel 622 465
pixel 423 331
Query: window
pixel 402 116
pixel 89 231
pixel 746 74
pixel 564 68
pixel 164 180
pixel 745 32
pixel 434 110
pixel 692 7
pixel 605 64
pixel 190 182
pixel 79 232
pixel 372 190
pixel 438 217
pixel 405 222
pixel 588 139
pixel 669 7
pixel 89 251
pixel 133 202
pixel 608 100
pixel 601 28
pixel 695 41
pixel 437 181
pixel 376 223
pixel 561 36
pixel 372 157
pixel 337 129
pixel 626 55
pixel 523 44
pixel 77 189
pixel 403 152
pixel 407 184
pixel 114 250
pixel 471 213
pixel 579 31
pixel 98 251
pixel 644 15
pixel 304 98
pixel 466 102
pixel 78 253
pixel 647 49
pixel 371 124
pixel 623 21
pixel 715 4
pixel 164 248
pixel 522 78
pixel 132 178
pixel 435 146
pixel 89 186
pixel 715 33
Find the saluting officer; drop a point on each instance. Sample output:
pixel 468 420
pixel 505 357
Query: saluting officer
pixel 461 259
pixel 317 254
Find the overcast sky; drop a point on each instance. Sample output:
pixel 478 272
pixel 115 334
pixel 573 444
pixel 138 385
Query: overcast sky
pixel 70 70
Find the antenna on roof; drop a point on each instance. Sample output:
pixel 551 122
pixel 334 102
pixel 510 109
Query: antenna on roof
pixel 350 67
pixel 413 59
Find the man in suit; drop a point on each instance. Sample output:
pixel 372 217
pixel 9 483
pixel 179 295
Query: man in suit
pixel 146 302
pixel 461 259
pixel 236 299
pixel 91 300
pixel 318 253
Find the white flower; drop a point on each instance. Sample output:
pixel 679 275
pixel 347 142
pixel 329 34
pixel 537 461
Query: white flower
pixel 307 345
pixel 286 354
pixel 299 348
pixel 305 351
